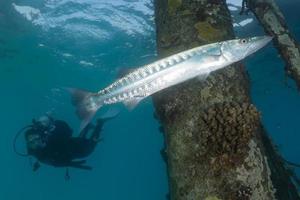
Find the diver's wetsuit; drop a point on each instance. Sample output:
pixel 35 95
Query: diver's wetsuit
pixel 46 145
pixel 83 146
pixel 59 148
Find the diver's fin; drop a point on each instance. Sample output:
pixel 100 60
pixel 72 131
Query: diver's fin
pixel 124 71
pixel 132 103
pixel 79 165
pixel 84 110
pixel 85 167
pixel 78 162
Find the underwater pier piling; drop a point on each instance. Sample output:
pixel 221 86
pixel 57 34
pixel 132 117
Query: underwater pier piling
pixel 212 131
pixel 271 18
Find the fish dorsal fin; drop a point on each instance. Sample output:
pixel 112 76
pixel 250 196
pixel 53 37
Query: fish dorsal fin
pixel 124 71
pixel 132 103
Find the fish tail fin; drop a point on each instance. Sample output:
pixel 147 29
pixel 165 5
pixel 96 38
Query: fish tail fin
pixel 86 107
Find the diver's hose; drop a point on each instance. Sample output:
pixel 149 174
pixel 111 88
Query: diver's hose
pixel 15 140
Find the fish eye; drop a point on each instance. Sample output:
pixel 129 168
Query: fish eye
pixel 243 41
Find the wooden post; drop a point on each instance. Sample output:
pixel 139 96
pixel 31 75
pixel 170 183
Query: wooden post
pixel 213 132
pixel 272 19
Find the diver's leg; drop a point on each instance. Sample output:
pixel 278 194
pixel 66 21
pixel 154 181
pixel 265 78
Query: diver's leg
pixel 81 148
pixel 89 144
pixel 111 114
pixel 85 146
pixel 97 129
pixel 85 131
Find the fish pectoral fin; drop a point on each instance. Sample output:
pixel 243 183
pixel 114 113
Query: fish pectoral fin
pixel 203 76
pixel 132 103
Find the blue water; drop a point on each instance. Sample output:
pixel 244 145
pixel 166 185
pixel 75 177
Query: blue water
pixel 83 43
pixel 82 51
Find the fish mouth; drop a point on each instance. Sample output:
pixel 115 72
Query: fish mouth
pixel 258 43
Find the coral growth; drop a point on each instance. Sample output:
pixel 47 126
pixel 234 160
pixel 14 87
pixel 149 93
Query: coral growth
pixel 252 172
pixel 173 5
pixel 229 127
pixel 244 193
pixel 205 30
pixel 221 146
pixel 212 198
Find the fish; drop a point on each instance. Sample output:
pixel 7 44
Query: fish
pixel 197 62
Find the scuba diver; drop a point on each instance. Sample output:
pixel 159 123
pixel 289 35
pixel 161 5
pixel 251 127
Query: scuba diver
pixel 51 142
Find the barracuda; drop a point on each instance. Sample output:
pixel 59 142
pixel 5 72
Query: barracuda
pixel 149 79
